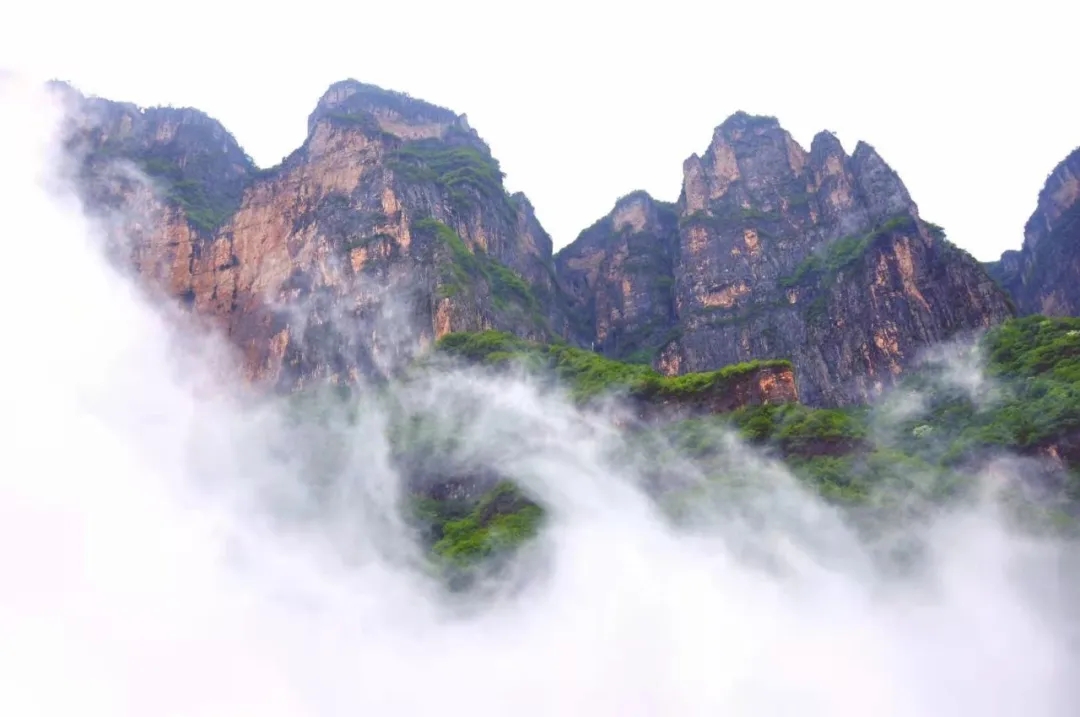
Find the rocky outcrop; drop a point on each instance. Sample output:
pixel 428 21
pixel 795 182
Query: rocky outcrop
pixel 814 255
pixel 1043 277
pixel 618 278
pixel 387 228
pixel 725 390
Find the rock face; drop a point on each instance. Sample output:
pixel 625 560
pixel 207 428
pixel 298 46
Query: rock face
pixel 390 227
pixel 1043 277
pixel 778 252
pixel 387 228
pixel 618 278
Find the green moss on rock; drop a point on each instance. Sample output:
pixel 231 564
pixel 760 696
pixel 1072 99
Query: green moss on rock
pixel 466 174
pixel 464 268
pixel 500 523
pixel 589 374
pixel 821 268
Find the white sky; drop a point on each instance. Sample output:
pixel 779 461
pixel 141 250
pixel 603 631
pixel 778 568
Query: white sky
pixel 585 101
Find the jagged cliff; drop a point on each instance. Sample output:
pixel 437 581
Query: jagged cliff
pixel 618 278
pixel 776 251
pixel 390 224
pixel 1042 276
pixel 390 227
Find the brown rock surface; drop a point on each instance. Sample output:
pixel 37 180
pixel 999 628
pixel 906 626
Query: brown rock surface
pixel 387 228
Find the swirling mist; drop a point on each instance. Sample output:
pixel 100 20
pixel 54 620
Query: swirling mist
pixel 163 551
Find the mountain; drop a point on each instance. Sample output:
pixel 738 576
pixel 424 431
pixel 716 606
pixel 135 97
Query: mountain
pixel 782 291
pixel 618 276
pixel 775 251
pixel 1042 275
pixel 389 223
pixel 390 227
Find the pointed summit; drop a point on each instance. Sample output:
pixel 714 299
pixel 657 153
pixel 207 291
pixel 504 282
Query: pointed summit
pixel 1044 275
pixel 881 187
pixel 375 108
pixel 826 143
pixel 741 121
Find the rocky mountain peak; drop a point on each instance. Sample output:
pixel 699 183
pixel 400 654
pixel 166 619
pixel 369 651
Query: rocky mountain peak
pixel 881 187
pixel 778 252
pixel 826 144
pixel 742 123
pixel 378 110
pixel 194 162
pixel 748 161
pixel 636 211
pixel 617 276
pixel 1059 194
pixel 392 219
pixel 1042 275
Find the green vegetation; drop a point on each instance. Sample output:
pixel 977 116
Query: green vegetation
pixel 798 429
pixel 465 173
pixel 499 523
pixel 365 96
pixel 862 458
pixel 464 268
pixel 880 470
pixel 655 385
pixel 365 121
pixel 1035 363
pixel 589 374
pixel 586 373
pixel 821 268
pixel 755 213
pixel 1036 347
pixel 199 170
pixel 205 210
pixel 935 231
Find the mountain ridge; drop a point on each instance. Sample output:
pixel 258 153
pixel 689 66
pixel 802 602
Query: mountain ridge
pixel 757 216
pixel 770 252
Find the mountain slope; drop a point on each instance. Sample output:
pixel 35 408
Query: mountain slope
pixel 1042 275
pixel 815 256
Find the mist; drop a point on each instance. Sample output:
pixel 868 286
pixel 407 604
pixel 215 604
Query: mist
pixel 169 546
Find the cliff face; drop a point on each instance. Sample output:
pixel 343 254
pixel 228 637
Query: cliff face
pixel 1042 275
pixel 618 278
pixel 390 227
pixel 387 228
pixel 815 256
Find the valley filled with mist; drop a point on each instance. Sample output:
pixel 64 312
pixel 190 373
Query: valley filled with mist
pixel 510 501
